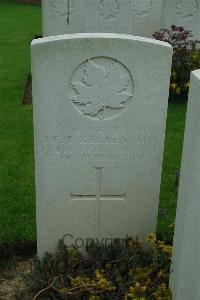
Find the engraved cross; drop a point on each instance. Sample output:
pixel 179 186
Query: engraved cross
pixel 98 198
pixel 68 11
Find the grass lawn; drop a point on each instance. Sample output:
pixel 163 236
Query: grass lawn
pixel 171 164
pixel 19 23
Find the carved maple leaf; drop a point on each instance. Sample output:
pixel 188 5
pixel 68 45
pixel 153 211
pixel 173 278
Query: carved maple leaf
pixel 108 8
pixel 186 9
pixel 101 87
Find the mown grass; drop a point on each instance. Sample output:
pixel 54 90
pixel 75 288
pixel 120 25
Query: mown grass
pixel 171 164
pixel 19 23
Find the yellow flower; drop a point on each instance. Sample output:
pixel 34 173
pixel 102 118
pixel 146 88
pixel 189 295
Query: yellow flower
pixel 102 282
pixel 168 250
pixel 174 74
pixel 160 245
pixel 135 245
pixel 162 274
pixel 173 85
pixel 186 84
pixel 137 285
pixel 178 90
pixel 162 292
pixel 151 237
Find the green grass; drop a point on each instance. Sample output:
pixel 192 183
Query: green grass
pixel 18 25
pixel 171 164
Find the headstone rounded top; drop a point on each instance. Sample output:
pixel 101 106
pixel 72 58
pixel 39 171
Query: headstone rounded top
pixel 96 36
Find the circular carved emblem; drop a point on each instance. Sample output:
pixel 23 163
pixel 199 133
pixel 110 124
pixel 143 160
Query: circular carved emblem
pixel 186 8
pixel 108 9
pixel 63 8
pixel 102 88
pixel 142 7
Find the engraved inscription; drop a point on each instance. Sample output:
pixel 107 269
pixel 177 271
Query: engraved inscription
pixel 99 144
pixel 98 198
pixel 108 9
pixel 142 7
pixel 64 8
pixel 101 88
pixel 186 8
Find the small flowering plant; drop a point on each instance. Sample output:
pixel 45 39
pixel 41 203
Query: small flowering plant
pixel 107 272
pixel 186 58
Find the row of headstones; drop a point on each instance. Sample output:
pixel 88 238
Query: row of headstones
pixel 138 17
pixel 100 104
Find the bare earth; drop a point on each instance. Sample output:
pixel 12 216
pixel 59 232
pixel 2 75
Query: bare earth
pixel 12 279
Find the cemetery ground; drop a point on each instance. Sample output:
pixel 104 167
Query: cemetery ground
pixel 19 23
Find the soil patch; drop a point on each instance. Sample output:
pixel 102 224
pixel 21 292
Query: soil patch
pixel 27 98
pixel 18 248
pixel 12 278
pixel 17 261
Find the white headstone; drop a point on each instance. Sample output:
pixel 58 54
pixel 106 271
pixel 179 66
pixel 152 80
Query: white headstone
pixel 100 103
pixel 139 17
pixel 184 13
pixel 147 17
pixel 185 276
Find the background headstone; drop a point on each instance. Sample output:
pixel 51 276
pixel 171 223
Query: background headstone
pixel 185 275
pixel 147 17
pixel 184 13
pixel 100 104
pixel 138 17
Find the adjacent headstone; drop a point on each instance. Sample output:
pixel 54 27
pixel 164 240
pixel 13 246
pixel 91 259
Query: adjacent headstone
pixel 147 17
pixel 185 274
pixel 100 103
pixel 138 17
pixel 184 13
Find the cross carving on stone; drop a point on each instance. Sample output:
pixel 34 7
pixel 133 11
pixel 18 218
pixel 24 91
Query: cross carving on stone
pixel 68 11
pixel 98 198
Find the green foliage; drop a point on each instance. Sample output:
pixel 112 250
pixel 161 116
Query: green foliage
pixel 186 58
pixel 118 271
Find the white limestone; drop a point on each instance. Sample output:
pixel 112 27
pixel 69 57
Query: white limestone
pixel 100 103
pixel 184 13
pixel 147 17
pixel 185 276
pixel 138 17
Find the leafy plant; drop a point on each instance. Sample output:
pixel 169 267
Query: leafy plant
pixel 116 271
pixel 186 58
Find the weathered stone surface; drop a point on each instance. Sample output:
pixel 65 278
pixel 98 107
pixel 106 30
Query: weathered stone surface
pixel 100 103
pixel 184 13
pixel 147 17
pixel 185 274
pixel 138 17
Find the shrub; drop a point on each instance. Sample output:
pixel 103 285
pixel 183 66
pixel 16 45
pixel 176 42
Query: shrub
pixel 107 272
pixel 186 58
